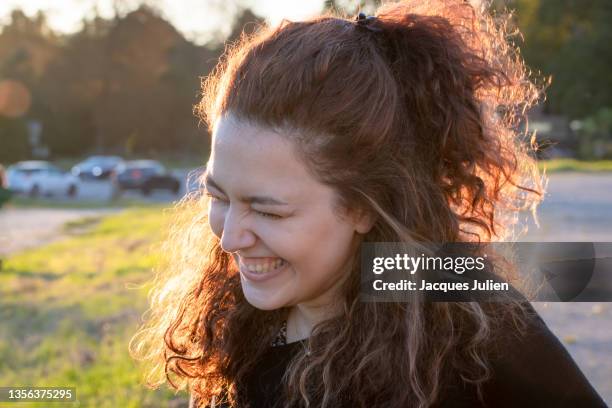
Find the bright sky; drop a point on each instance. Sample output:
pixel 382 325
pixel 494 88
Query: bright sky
pixel 195 18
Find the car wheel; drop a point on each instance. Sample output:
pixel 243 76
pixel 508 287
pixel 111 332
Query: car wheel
pixel 72 191
pixel 146 190
pixel 176 189
pixel 35 191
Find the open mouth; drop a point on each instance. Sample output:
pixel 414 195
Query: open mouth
pixel 262 267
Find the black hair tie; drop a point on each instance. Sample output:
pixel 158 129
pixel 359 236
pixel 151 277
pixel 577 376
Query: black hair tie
pixel 364 21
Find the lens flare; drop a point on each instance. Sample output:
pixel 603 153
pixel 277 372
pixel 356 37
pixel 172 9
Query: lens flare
pixel 15 99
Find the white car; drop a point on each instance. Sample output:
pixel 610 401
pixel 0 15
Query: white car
pixel 41 178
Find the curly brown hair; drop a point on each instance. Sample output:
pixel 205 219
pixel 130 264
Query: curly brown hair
pixel 414 118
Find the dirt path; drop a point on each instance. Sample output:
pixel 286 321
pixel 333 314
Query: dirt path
pixel 24 228
pixel 578 207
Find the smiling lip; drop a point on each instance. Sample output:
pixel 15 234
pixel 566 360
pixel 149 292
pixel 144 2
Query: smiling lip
pixel 259 276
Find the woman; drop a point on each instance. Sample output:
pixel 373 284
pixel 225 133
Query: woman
pixel 329 133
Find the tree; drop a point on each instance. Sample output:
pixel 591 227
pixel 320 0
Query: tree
pixel 125 85
pixel 13 140
pixel 27 47
pixel 569 40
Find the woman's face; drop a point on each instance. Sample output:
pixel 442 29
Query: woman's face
pixel 276 219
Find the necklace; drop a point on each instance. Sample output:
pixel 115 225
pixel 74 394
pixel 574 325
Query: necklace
pixel 281 336
pixel 281 339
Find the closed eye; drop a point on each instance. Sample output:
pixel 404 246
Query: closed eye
pixel 267 215
pixel 215 197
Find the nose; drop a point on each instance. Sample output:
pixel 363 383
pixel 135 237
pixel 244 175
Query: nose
pixel 235 235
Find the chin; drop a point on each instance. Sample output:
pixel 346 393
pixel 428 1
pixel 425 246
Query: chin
pixel 262 301
pixel 264 305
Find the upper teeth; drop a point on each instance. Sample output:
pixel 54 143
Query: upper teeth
pixel 265 267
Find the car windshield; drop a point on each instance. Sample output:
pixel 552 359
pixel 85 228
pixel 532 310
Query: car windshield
pixel 34 168
pixel 28 171
pixel 146 168
pixel 101 160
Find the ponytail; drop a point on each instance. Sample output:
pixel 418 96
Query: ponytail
pixel 454 76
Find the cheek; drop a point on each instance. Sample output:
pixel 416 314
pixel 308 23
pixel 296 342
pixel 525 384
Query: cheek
pixel 324 250
pixel 216 219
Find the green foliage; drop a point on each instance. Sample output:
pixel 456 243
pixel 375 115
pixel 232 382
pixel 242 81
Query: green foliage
pixel 572 165
pixel 69 309
pixel 599 125
pixel 595 135
pixel 5 196
pixel 13 139
pixel 570 41
pixel 123 85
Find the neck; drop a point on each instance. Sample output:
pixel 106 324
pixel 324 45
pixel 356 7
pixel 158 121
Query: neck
pixel 301 321
pixel 304 316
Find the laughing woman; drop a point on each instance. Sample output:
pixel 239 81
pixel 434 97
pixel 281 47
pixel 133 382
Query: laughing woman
pixel 328 133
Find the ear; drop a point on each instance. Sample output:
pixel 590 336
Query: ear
pixel 363 221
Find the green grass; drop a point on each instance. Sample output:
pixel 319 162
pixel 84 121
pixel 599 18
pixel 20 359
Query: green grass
pixel 26 202
pixel 569 165
pixel 69 309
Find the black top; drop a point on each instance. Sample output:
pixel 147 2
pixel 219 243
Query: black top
pixel 535 372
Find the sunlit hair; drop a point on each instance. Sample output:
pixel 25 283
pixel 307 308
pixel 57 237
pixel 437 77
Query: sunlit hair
pixel 416 121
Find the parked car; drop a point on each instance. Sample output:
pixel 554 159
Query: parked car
pixel 146 176
pixel 40 177
pixel 96 167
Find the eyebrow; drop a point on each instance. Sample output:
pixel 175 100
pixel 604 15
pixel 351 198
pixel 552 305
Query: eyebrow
pixel 262 200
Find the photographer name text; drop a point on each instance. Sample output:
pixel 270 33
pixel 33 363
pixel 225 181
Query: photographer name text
pixel 408 285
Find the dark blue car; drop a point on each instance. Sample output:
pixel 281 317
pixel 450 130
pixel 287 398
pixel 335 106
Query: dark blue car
pixel 96 167
pixel 145 176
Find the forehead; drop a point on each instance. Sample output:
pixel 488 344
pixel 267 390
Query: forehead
pixel 232 136
pixel 250 157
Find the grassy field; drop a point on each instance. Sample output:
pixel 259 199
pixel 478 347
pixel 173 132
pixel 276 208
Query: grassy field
pixel 27 202
pixel 567 165
pixel 69 309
